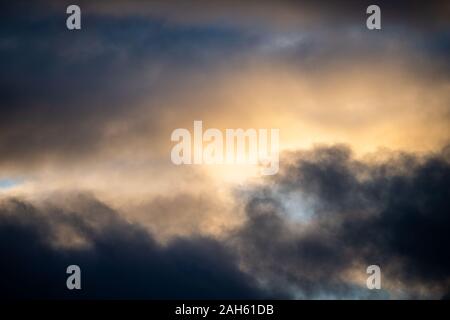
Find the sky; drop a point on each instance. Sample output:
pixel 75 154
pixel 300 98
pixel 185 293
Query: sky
pixel 86 177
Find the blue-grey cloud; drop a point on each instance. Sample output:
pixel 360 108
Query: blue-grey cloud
pixel 120 261
pixel 393 213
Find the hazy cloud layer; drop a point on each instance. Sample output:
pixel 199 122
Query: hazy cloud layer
pixel 124 82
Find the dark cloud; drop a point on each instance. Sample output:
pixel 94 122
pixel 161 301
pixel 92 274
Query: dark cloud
pixel 308 233
pixel 120 260
pixel 393 213
pixel 284 13
pixel 63 94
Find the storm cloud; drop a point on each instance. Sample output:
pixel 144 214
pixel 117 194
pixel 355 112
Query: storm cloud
pixel 328 216
pixel 118 260
pixel 310 232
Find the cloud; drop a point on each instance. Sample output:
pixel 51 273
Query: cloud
pixel 274 14
pixel 118 260
pixel 309 232
pixel 83 95
pixel 204 215
pixel 133 73
pixel 391 212
pixel 92 111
